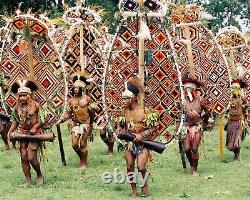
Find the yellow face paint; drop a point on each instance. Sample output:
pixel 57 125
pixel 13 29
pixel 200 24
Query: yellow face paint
pixel 236 90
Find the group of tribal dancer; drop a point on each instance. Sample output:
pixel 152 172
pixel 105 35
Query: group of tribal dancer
pixel 80 110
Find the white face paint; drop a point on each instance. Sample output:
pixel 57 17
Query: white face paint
pixel 190 96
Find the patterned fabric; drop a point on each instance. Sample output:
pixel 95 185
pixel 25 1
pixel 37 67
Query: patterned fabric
pixel 83 19
pixel 48 70
pixel 209 64
pixel 234 135
pixel 59 36
pixel 163 82
pixel 93 59
pixel 242 59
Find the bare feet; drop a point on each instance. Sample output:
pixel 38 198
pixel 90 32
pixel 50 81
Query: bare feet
pixel 83 167
pixel 39 180
pixel 133 191
pixel 236 158
pixel 145 191
pixel 194 172
pixel 83 163
pixel 133 194
pixel 27 183
pixel 5 148
pixel 110 152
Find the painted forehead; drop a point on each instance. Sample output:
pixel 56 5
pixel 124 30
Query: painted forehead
pixel 189 85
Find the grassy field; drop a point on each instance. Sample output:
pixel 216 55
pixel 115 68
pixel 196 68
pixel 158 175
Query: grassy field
pixel 230 180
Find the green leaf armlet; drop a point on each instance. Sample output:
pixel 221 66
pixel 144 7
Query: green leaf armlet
pixel 92 106
pixel 14 117
pixel 122 121
pixel 151 119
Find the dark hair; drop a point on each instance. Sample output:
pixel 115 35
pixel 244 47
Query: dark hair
pixel 75 78
pixel 132 88
pixel 30 84
pixel 243 84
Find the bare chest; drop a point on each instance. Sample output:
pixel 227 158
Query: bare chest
pixel 193 107
pixel 135 116
pixel 26 112
pixel 79 102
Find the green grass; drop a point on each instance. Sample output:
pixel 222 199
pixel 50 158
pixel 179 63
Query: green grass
pixel 169 181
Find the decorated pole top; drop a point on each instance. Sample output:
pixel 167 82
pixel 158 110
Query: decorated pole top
pixel 230 38
pixel 133 8
pixel 81 14
pixel 186 14
pixel 189 15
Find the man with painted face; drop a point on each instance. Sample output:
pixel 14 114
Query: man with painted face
pixel 139 121
pixel 197 115
pixel 81 110
pixel 26 118
pixel 236 121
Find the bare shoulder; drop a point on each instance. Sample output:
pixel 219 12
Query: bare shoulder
pixel 89 99
pixel 38 105
pixel 244 99
pixel 70 100
pixel 147 110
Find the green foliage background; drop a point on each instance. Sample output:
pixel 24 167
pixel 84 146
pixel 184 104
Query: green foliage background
pixel 227 12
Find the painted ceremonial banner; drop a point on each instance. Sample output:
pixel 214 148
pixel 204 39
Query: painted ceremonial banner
pixel 163 81
pixel 82 51
pixel 237 53
pixel 196 48
pixel 29 52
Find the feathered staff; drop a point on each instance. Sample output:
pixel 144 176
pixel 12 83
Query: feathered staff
pixel 230 38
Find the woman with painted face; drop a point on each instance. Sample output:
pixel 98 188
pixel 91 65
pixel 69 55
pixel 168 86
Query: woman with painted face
pixel 137 120
pixel 197 116
pixel 236 120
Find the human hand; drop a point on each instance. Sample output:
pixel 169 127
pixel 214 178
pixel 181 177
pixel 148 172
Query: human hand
pixel 33 131
pixel 9 135
pixel 138 138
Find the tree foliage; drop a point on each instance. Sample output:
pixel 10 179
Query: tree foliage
pixel 226 12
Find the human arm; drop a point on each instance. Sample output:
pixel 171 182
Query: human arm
pixel 15 122
pixel 67 115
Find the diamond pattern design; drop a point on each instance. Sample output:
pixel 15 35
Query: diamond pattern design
pixel 45 60
pixel 208 62
pixel 124 61
pixel 93 60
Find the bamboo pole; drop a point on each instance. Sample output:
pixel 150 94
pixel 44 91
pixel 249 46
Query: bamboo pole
pixel 30 52
pixel 141 67
pixel 221 126
pixel 81 48
pixel 232 63
pixel 141 61
pixel 186 34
